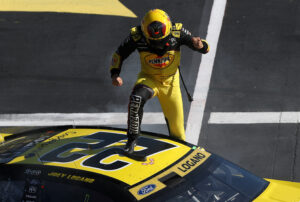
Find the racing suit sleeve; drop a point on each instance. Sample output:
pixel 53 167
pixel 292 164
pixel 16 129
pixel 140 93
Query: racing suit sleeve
pixel 186 39
pixel 123 51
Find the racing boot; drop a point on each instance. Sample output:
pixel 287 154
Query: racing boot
pixel 131 143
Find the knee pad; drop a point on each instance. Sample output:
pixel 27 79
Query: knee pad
pixel 143 91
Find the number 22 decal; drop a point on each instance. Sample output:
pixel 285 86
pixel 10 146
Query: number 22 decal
pixel 104 139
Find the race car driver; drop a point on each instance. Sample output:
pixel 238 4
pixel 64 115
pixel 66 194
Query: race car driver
pixel 158 42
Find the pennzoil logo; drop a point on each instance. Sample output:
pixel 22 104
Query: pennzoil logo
pixel 159 62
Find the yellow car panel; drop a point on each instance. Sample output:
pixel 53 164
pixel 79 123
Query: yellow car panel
pixel 82 148
pixel 280 191
pixel 3 135
pixel 185 166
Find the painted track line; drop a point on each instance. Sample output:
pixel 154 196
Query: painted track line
pixel 194 121
pixel 57 119
pixel 253 117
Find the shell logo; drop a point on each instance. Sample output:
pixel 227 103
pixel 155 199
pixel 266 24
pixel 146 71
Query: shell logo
pixel 159 62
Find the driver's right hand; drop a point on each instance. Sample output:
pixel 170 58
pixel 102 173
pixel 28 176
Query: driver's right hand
pixel 117 80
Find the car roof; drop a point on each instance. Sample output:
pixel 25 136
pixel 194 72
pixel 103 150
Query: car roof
pixel 97 150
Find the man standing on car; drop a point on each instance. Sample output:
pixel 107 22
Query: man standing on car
pixel 158 42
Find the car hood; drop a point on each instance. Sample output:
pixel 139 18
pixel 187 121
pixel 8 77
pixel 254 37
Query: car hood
pixel 98 151
pixel 280 191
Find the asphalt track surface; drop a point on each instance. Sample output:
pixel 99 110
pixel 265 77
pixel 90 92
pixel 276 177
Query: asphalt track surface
pixel 58 63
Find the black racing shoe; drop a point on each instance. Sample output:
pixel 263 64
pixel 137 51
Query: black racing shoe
pixel 129 147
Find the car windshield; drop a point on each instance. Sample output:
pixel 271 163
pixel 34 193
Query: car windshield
pixel 216 180
pixel 17 144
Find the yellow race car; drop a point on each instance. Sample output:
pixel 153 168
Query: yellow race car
pixel 89 164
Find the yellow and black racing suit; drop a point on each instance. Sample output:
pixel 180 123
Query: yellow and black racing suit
pixel 159 76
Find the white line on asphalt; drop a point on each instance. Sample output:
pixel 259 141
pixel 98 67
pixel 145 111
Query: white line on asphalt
pixel 194 121
pixel 88 119
pixel 253 117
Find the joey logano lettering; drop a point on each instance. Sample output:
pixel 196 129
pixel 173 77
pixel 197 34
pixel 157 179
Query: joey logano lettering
pixel 191 162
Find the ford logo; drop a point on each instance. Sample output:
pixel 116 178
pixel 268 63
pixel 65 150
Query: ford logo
pixel 146 189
